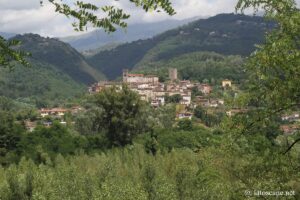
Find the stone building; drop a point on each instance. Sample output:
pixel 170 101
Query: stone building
pixel 139 78
pixel 173 74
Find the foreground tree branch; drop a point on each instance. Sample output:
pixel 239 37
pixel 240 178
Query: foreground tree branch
pixel 9 55
pixel 292 145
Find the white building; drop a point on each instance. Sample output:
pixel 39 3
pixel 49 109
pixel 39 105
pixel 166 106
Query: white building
pixel 185 115
pixel 186 100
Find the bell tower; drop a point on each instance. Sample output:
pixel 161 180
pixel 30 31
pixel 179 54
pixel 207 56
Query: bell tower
pixel 125 75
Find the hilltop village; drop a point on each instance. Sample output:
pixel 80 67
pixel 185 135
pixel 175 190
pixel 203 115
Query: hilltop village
pixel 189 97
pixel 157 93
pixel 185 94
pixel 174 90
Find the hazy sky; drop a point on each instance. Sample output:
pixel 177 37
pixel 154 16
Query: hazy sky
pixel 23 16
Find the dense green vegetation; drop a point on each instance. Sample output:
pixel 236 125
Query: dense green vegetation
pixel 188 164
pixel 244 156
pixel 9 55
pixel 60 55
pixel 227 34
pixel 41 85
pixel 120 115
pixel 112 119
pixel 200 66
pixel 56 73
pixel 171 160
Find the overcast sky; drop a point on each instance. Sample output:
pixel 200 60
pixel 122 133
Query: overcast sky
pixel 24 16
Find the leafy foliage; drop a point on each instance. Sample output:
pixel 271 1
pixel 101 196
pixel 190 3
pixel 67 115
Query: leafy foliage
pixel 189 162
pixel 41 85
pixel 119 114
pixel 176 98
pixel 180 174
pixel 86 13
pixel 10 136
pixel 8 54
pixel 200 66
pixel 274 68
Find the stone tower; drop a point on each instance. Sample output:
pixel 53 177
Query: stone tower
pixel 125 75
pixel 173 74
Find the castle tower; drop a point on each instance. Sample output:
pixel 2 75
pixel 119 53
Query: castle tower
pixel 125 75
pixel 173 74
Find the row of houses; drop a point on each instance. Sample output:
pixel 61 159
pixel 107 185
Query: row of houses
pixel 150 89
pixel 54 113
pixel 293 117
pixel 59 112
pixel 208 102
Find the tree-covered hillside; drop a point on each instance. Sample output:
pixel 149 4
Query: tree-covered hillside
pixel 41 84
pixel 61 56
pixel 227 34
pixel 199 66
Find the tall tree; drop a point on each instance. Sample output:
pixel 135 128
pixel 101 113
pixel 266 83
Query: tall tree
pixel 10 135
pixel 120 114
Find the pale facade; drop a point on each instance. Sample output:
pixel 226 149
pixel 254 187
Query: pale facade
pixel 226 83
pixel 185 115
pixel 150 89
pixel 139 78
pixel 53 112
pixel 186 100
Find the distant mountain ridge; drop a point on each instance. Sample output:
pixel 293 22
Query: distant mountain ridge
pixel 227 34
pixel 7 35
pixel 98 38
pixel 60 55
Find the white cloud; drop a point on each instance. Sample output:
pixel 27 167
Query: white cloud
pixel 18 4
pixel 21 16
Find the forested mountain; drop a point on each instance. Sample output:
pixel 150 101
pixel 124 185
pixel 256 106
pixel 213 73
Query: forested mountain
pixel 98 38
pixel 40 84
pixel 226 34
pixel 57 72
pixel 199 66
pixel 61 56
